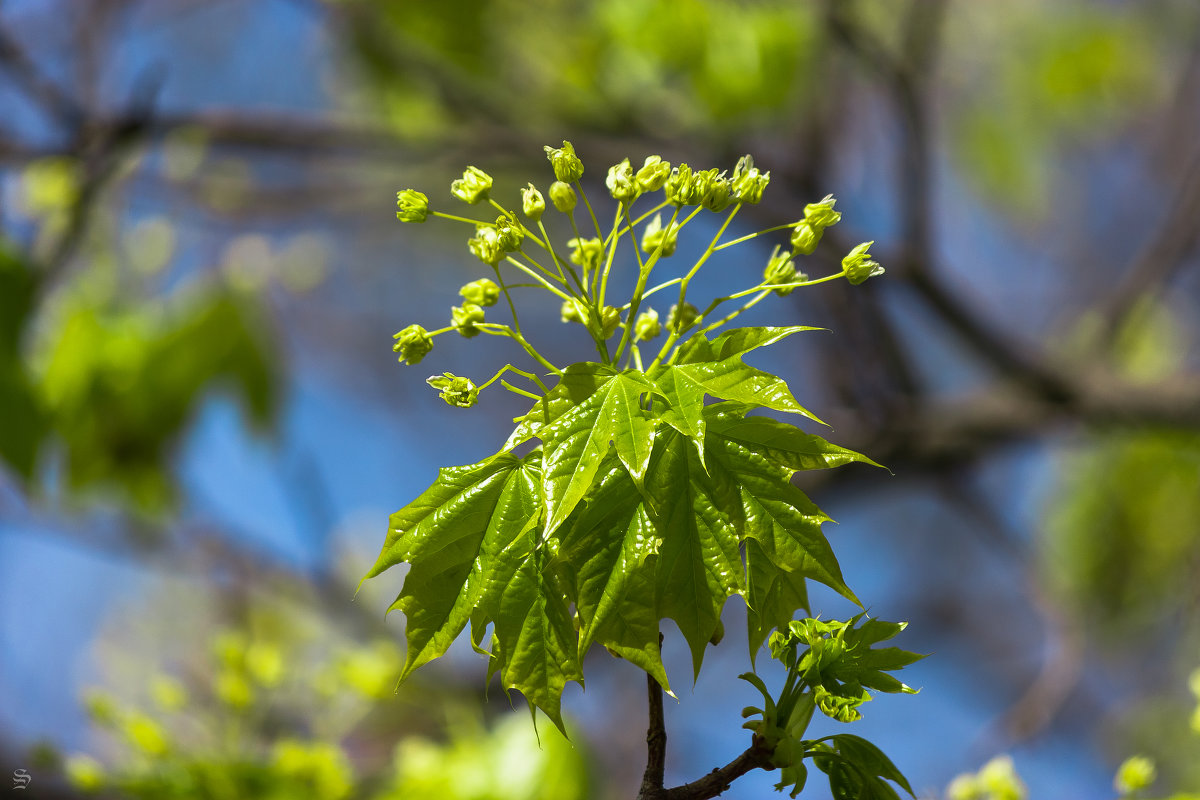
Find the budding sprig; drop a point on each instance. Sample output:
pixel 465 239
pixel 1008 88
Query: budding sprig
pixel 578 277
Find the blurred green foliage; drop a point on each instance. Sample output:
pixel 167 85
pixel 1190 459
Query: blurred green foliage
pixel 283 706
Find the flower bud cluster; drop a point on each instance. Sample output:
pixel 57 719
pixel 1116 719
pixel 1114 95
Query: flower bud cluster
pixel 680 320
pixel 647 325
pixel 586 253
pixel 653 174
pixel 413 344
pixel 482 292
pixel 782 269
pixel 621 182
pixel 473 186
pixel 456 391
pixel 748 183
pixel 532 202
pixel 464 318
pixel 859 266
pixel 563 197
pixel 411 206
pixel 567 166
pixel 653 237
pixel 817 217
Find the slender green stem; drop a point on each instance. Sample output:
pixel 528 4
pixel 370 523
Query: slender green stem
pixel 544 271
pixel 611 248
pixel 521 392
pixel 495 329
pixel 750 236
pixel 795 285
pixel 541 281
pixel 510 368
pixel 595 222
pixel 575 229
pixel 444 215
pixel 683 284
pixel 655 290
pixel 511 307
pixel 643 274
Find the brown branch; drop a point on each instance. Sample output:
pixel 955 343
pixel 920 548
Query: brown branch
pixel 757 756
pixel 656 742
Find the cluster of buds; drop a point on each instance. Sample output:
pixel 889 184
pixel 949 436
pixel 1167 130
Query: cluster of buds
pixel 859 266
pixel 782 269
pixel 456 391
pixel 654 237
pixel 412 343
pixel 681 185
pixel 473 186
pixel 808 231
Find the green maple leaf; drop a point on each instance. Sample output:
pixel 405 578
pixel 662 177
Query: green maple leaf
pixel 473 541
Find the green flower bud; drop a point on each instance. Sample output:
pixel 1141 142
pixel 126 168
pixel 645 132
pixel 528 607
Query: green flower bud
pixel 653 174
pixel 456 391
pixel 805 238
pixel 465 317
pixel 621 183
pixel 610 318
pixel 532 202
pixel 412 343
pixel 821 215
pixel 859 266
pixel 998 779
pixel 509 233
pixel 572 311
pixel 567 166
pixel 1136 774
pixel 562 196
pixel 486 246
pixel 748 182
pixel 680 321
pixel 482 292
pixel 586 253
pixel 647 325
pixel 653 236
pixel 679 187
pixel 781 269
pixel 473 186
pixel 717 194
pixel 411 206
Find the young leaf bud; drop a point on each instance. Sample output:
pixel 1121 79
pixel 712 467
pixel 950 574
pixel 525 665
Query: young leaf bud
pixel 680 321
pixel 653 174
pixel 781 269
pixel 647 325
pixel 482 292
pixel 464 318
pixel 532 202
pixel 805 238
pixel 586 253
pixel 859 266
pixel 473 186
pixel 456 391
pixel 413 344
pixel 562 196
pixel 411 206
pixel 572 311
pixel 486 246
pixel 621 183
pixel 567 166
pixel 653 236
